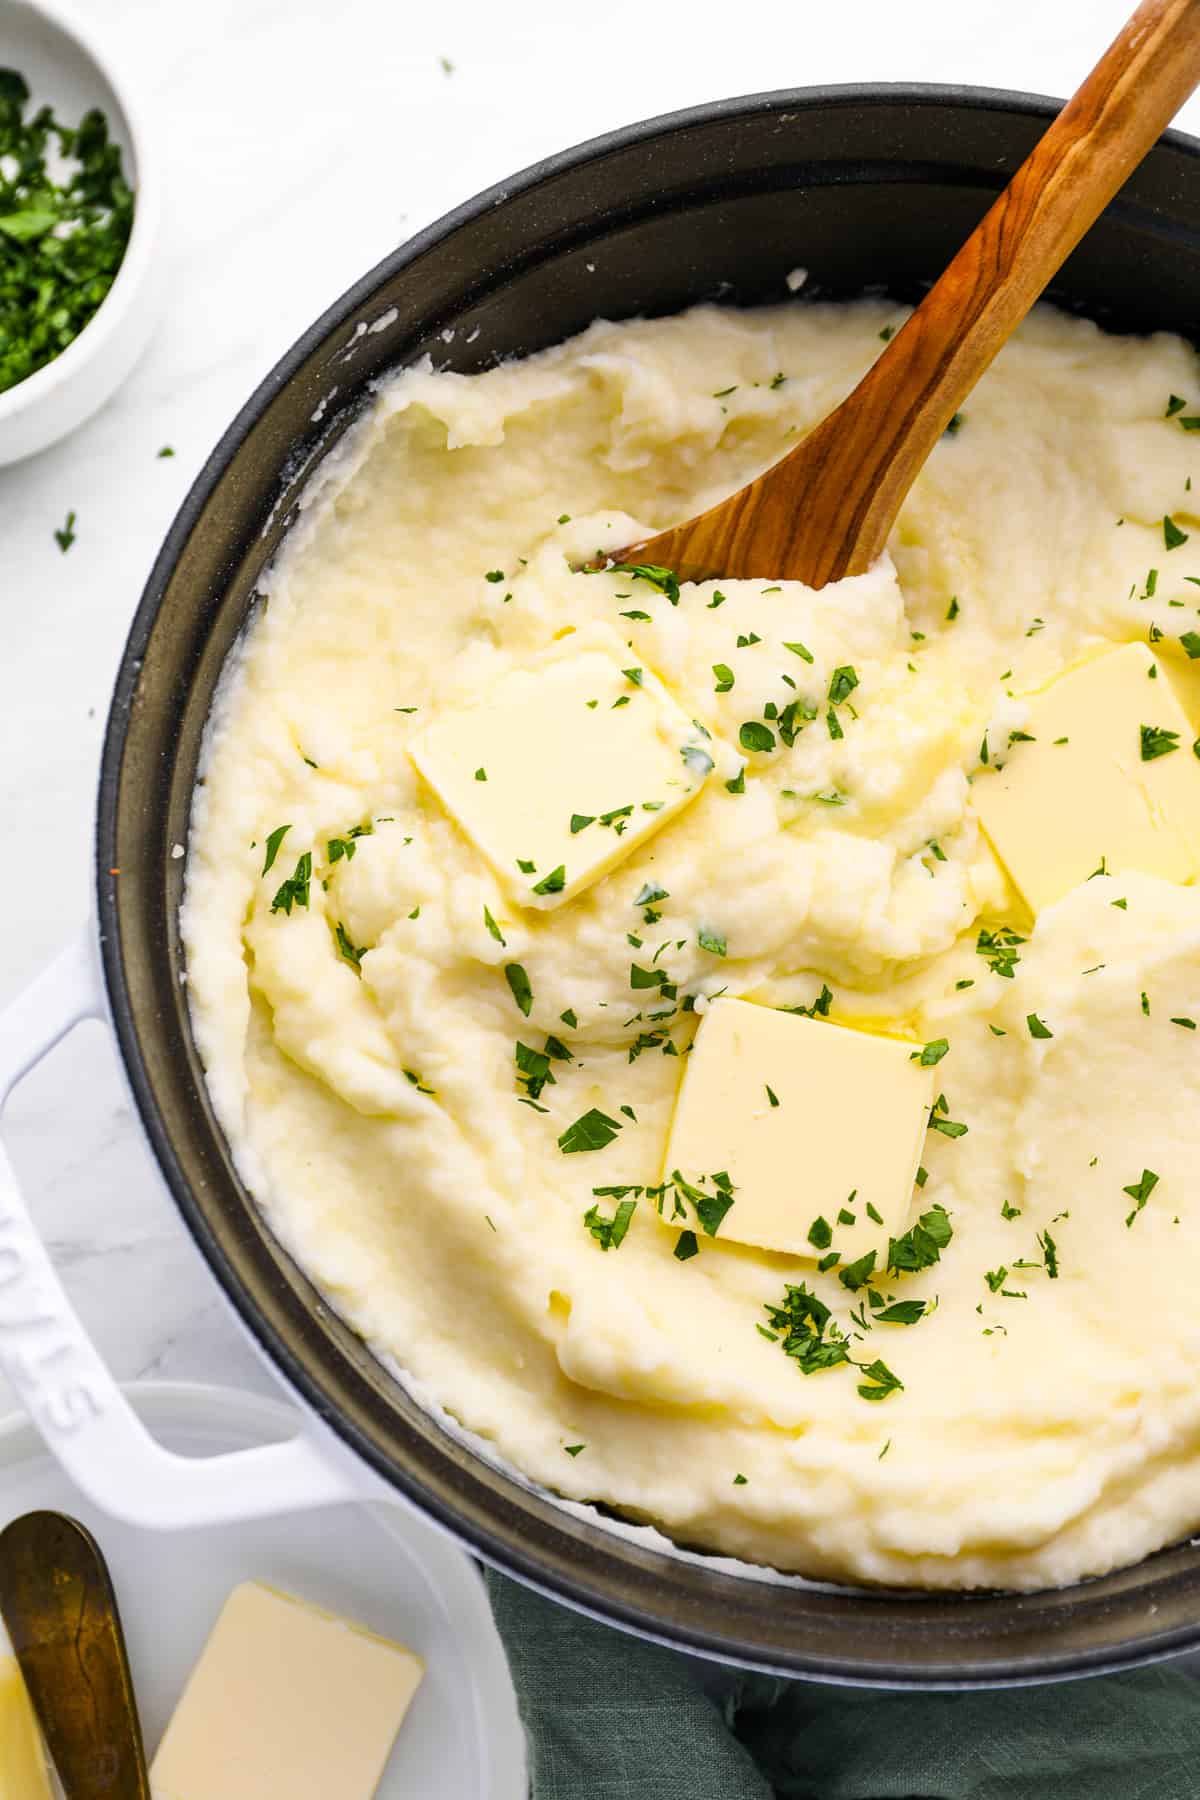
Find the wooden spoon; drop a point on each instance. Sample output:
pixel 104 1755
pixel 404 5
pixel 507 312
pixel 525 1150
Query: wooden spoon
pixel 58 1604
pixel 827 508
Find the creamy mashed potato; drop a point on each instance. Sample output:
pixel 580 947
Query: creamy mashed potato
pixel 360 1043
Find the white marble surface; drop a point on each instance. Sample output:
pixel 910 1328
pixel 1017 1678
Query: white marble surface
pixel 303 139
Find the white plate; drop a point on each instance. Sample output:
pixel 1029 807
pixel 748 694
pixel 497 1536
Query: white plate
pixel 381 1565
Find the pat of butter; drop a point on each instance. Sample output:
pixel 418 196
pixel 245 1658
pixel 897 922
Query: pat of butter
pixel 23 1772
pixel 288 1700
pixel 558 773
pixel 810 1121
pixel 1057 808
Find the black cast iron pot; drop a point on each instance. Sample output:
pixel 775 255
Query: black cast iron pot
pixel 865 188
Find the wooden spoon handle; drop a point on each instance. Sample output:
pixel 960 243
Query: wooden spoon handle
pixel 876 443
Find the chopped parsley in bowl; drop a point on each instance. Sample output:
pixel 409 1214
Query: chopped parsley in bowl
pixel 66 213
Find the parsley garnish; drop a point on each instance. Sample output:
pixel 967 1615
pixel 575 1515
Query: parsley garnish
pixel 1175 404
pixel 64 537
pixel 272 846
pixel 1037 1027
pixel 610 1233
pixel 1157 742
pixel 1049 1250
pixel 800 650
pixel 1172 535
pixel 351 952
pixel 932 1054
pixel 772 1096
pixel 710 1208
pixel 592 1131
pixel 494 929
pixel 686 1246
pixel 553 883
pixel 574 1449
pixel 999 949
pixel 754 736
pixel 294 891
pixel 820 1233
pixel 922 1246
pixel 518 982
pixel 712 941
pixel 806 1332
pixel 882 1381
pixel 1140 1191
pixel 842 684
pixel 724 675
pixel 663 579
pixel 857 1274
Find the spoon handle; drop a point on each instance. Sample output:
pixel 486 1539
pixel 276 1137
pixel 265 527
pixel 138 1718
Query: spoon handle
pixel 875 444
pixel 58 1604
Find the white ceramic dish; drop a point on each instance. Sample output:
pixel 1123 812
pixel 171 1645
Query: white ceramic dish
pixel 64 66
pixel 381 1564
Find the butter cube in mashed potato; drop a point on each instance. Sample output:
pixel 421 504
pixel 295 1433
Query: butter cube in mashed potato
pixel 558 773
pixel 818 1126
pixel 1105 781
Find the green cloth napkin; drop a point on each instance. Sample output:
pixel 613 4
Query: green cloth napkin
pixel 609 1717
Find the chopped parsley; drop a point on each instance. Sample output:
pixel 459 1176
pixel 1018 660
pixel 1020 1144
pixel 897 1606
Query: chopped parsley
pixel 710 1208
pixel 493 928
pixel 574 1449
pixel 800 650
pixel 494 575
pixel 805 1330
pixel 754 736
pixel 1140 1192
pixel 938 1121
pixel 712 941
pixel 724 675
pixel 1157 742
pixel 663 579
pixel 1049 1250
pixel 842 684
pixel 772 1096
pixel 932 1054
pixel 65 536
pixel 999 950
pixel 553 883
pixel 1191 643
pixel 1173 537
pixel 1037 1027
pixel 686 1246
pixel 351 953
pixel 922 1245
pixel 820 1233
pixel 592 1131
pixel 610 1233
pixel 518 982
pixel 880 1378
pixel 272 846
pixel 295 890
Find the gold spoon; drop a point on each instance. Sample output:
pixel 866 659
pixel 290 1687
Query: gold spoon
pixel 58 1604
pixel 827 508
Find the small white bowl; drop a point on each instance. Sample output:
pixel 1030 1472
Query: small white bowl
pixel 63 65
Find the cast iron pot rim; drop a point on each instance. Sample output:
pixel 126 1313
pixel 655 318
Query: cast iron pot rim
pixel 510 1557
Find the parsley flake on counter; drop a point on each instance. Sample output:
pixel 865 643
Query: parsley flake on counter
pixel 272 846
pixel 1173 537
pixel 1037 1027
pixel 610 1233
pixel 166 450
pixel 65 536
pixel 295 890
pixel 592 1131
pixel 1157 742
pixel 518 982
pixel 1140 1191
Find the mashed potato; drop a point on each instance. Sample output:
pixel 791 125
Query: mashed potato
pixel 359 1029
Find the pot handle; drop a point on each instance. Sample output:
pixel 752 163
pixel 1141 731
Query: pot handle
pixel 68 1390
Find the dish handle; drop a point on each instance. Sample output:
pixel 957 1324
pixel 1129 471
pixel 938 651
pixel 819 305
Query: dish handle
pixel 67 1388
